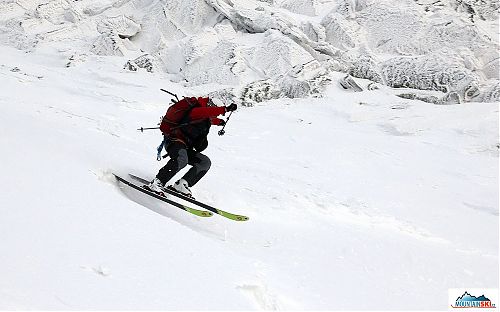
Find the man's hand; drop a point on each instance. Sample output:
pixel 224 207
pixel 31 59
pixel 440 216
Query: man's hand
pixel 231 108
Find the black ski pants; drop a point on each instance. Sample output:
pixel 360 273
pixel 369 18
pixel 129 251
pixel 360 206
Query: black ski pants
pixel 180 157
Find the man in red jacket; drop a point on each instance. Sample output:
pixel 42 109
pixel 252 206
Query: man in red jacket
pixel 186 142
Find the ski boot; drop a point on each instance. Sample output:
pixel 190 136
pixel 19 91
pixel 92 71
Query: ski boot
pixel 182 188
pixel 156 187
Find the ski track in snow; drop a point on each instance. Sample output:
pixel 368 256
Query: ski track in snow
pixel 349 196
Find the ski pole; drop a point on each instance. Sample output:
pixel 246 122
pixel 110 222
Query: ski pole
pixel 222 131
pixel 172 94
pixel 142 129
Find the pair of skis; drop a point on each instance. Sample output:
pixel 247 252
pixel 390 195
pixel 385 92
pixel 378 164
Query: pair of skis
pixel 197 212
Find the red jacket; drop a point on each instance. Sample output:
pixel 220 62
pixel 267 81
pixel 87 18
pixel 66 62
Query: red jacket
pixel 204 111
pixel 200 118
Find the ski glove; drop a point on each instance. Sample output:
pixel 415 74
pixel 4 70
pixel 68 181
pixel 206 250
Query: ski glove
pixel 231 108
pixel 222 123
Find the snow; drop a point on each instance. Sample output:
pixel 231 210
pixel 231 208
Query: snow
pixel 357 200
pixel 354 195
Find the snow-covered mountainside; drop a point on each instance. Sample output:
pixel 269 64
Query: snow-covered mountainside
pixel 450 46
pixel 362 193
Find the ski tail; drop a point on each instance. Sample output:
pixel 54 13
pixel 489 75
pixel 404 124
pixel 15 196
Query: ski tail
pixel 197 212
pixel 220 212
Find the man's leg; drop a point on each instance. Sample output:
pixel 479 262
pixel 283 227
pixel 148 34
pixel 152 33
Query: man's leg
pixel 201 163
pixel 178 160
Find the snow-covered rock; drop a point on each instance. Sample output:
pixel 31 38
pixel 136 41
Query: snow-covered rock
pixel 342 33
pixel 13 32
pixel 489 91
pixel 445 45
pixel 305 7
pixel 478 9
pixel 123 26
pixel 53 11
pixel 144 61
pixel 363 65
pixel 301 81
pixel 109 44
pixel 435 71
pixel 221 65
pixel 277 55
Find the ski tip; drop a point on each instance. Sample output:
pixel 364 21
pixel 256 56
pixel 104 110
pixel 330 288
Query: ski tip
pixel 241 218
pixel 206 214
pixel 235 217
pixel 231 216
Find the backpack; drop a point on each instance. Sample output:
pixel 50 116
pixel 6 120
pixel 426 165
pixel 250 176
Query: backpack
pixel 177 115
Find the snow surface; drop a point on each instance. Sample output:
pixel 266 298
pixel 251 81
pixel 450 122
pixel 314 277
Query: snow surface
pixel 357 200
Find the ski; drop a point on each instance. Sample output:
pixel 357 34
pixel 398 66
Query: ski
pixel 223 213
pixel 199 213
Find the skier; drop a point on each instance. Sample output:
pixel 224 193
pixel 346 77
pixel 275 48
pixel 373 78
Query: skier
pixel 185 142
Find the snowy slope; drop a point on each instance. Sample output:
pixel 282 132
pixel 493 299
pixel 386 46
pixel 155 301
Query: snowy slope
pixel 356 200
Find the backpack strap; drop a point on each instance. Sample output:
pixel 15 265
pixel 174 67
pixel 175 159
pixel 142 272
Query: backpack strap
pixel 163 144
pixel 192 104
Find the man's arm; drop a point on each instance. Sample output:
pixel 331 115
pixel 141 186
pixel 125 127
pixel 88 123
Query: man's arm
pixel 206 112
pixel 217 121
